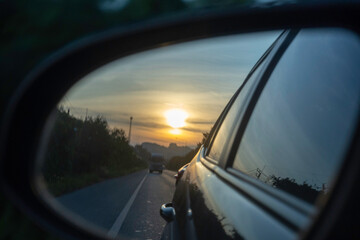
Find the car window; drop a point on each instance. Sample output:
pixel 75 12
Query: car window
pixel 304 119
pixel 228 124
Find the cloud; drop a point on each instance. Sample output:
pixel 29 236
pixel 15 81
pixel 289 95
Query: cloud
pixel 199 77
pixel 200 122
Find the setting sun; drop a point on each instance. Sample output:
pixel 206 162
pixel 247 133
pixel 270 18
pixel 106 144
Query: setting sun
pixel 175 131
pixel 176 118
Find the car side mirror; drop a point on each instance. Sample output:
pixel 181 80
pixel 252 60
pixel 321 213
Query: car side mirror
pixel 29 127
pixel 167 212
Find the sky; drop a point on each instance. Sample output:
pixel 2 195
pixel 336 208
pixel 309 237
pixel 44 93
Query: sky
pixel 194 80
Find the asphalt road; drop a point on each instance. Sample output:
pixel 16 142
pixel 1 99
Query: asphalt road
pixel 127 206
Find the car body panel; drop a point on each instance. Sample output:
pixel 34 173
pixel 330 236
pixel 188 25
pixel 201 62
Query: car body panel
pixel 218 211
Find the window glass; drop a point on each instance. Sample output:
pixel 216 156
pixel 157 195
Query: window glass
pixel 304 119
pixel 227 126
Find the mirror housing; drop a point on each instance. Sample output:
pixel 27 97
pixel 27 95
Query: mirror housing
pixel 24 125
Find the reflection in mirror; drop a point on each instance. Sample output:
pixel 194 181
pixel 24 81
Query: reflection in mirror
pixel 120 134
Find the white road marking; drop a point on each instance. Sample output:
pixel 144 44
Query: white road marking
pixel 114 230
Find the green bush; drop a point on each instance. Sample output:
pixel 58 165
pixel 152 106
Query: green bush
pixel 83 152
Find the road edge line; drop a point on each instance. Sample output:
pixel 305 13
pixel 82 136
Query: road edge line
pixel 114 230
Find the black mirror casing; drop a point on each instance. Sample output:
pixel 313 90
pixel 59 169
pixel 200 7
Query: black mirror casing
pixel 23 128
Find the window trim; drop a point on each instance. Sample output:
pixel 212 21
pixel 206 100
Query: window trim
pixel 267 59
pixel 255 95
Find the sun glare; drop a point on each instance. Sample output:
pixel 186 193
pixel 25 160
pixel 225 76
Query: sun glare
pixel 175 131
pixel 176 118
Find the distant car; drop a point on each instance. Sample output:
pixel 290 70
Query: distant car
pixel 180 173
pixel 156 163
pixel 270 162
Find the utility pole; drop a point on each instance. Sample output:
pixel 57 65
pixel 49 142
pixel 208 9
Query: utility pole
pixel 259 172
pixel 131 118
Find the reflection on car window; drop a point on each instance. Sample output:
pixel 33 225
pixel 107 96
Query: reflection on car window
pixel 304 119
pixel 227 126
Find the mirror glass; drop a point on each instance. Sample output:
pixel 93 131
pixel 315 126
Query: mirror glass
pixel 122 136
pixel 122 132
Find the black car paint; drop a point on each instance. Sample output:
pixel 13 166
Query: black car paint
pixel 208 207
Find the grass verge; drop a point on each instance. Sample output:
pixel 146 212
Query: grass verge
pixel 70 183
